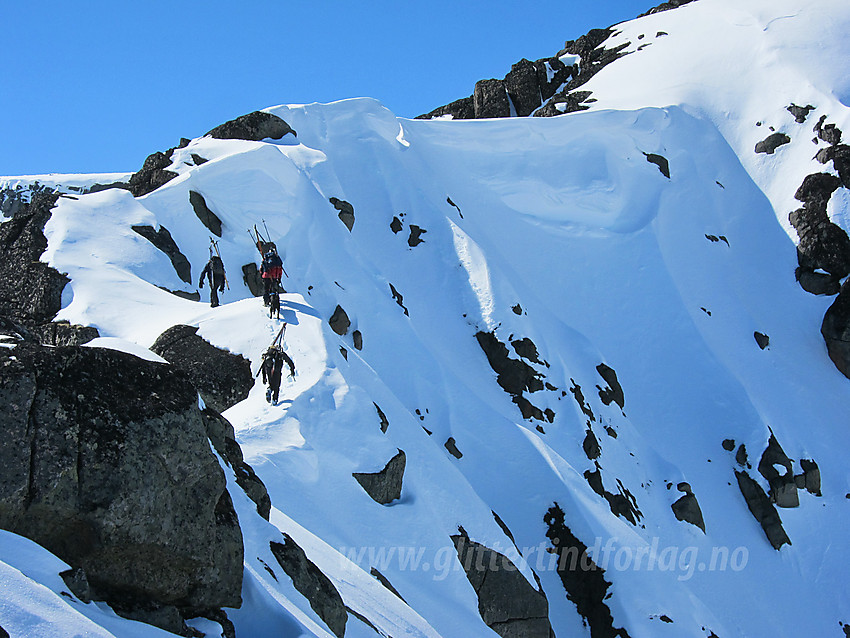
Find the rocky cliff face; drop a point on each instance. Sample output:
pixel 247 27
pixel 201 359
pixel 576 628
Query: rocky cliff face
pixel 106 463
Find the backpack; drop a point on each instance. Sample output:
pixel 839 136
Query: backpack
pixel 272 260
pixel 216 266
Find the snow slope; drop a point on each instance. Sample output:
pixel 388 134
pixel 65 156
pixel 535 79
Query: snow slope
pixel 561 232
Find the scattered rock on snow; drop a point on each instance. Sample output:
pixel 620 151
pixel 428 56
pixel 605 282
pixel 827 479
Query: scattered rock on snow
pixel 761 339
pixel 614 391
pixel 687 508
pixel 451 446
pixel 771 143
pixel 152 175
pixel 763 511
pixel 800 113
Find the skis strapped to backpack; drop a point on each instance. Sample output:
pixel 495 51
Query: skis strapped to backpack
pixel 264 245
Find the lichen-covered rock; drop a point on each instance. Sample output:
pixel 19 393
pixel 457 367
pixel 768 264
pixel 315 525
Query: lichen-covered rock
pixel 30 290
pixel 523 86
pixel 62 333
pixel 222 378
pixel 491 99
pixel 163 240
pixel 312 584
pixel 385 486
pixel 106 463
pixel 507 602
pixel 256 126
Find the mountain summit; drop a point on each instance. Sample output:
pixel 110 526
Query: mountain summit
pixel 578 375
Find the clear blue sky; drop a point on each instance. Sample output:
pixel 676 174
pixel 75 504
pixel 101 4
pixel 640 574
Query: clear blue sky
pixel 96 86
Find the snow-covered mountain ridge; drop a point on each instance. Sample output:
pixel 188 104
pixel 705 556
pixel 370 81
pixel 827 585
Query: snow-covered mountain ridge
pixel 584 332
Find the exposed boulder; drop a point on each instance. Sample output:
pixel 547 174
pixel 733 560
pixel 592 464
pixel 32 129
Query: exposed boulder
pixel 222 378
pixel 829 133
pixel 339 321
pixel 687 507
pixel 661 162
pixel 90 435
pixel 346 212
pixel 666 6
pixel 772 142
pixel 591 446
pixel 507 602
pixel 836 330
pixel 385 486
pixel 451 446
pixel 203 212
pixel 800 113
pixel 152 175
pixel 415 237
pixel 761 339
pixel 251 277
pixel 817 283
pixel 783 487
pixel 312 584
pixel 491 99
pixel 256 126
pixel 163 240
pixel 30 290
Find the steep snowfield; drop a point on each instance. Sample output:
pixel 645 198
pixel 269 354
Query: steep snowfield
pixel 561 232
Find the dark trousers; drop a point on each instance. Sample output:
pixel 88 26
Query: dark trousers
pixel 216 283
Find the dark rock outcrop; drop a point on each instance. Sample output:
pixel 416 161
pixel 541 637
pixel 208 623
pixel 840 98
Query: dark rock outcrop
pixel 583 580
pixel 223 379
pixel 491 99
pixel 836 330
pixel 203 212
pixel 623 503
pixel 591 446
pixel 339 321
pixel 687 507
pixel 385 486
pixel 451 446
pixel 312 584
pixel 256 126
pixel 614 391
pixel 251 277
pixel 783 487
pixel 152 175
pixel 386 583
pixel 163 240
pixel 661 162
pixel 507 602
pixel 513 375
pixel 761 339
pixel 800 113
pixel 221 434
pixel 666 6
pixel 772 142
pixel 763 510
pixel 90 435
pixel 62 333
pixel 822 244
pixel 415 237
pixel 30 290
pixel 399 299
pixel 345 212
pixel 817 283
pixel 385 423
pixel 523 86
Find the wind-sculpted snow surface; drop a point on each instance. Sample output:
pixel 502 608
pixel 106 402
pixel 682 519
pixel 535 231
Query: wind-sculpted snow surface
pixel 595 274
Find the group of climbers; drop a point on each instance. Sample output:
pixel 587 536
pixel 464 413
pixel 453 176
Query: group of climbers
pixel 271 272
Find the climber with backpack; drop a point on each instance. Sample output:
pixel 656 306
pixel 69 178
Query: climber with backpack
pixel 214 271
pixel 272 367
pixel 271 271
